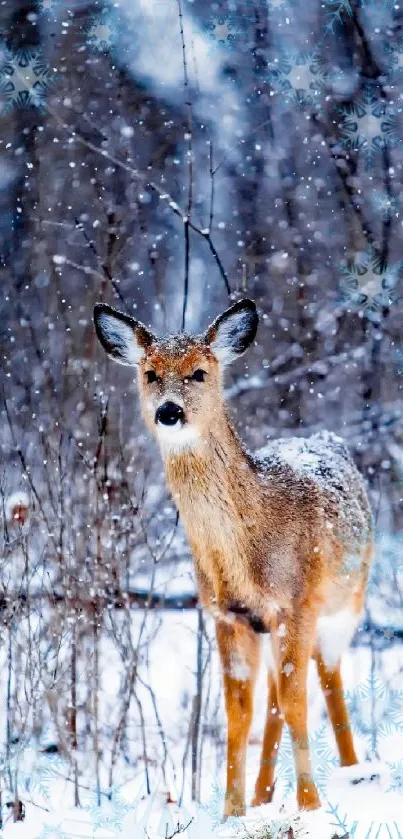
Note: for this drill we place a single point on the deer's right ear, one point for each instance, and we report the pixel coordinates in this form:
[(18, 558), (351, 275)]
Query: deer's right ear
[(123, 338)]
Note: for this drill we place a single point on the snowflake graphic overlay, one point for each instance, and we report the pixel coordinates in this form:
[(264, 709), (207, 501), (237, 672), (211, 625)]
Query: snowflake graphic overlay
[(215, 804), (376, 710), (110, 813), (101, 32), (107, 32), (335, 13), (53, 831), (385, 205), (369, 285), (387, 568), (369, 125), (275, 5), (25, 79), (323, 757), (378, 12), (299, 78), (40, 781), (396, 776), (47, 6), (394, 59), (223, 30)]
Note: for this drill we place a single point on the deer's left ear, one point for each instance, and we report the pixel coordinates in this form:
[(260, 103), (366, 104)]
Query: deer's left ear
[(123, 338), (231, 333)]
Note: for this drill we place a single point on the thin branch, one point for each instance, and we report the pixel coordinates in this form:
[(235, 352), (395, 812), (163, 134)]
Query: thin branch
[(212, 186), (221, 269), (187, 218), (104, 265), (27, 472), (145, 181)]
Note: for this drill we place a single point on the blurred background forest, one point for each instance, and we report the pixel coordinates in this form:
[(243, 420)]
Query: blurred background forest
[(168, 157)]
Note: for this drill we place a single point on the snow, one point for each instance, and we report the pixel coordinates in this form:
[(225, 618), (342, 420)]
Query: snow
[(170, 668), (356, 802)]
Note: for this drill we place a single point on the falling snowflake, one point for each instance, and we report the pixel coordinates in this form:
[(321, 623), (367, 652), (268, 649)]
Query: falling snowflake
[(223, 30), (369, 285), (300, 78), (369, 125), (25, 79)]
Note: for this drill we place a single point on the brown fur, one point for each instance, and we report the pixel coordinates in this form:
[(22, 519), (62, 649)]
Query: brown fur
[(271, 541)]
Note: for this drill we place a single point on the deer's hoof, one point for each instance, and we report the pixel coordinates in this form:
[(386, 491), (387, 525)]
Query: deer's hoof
[(263, 795), (308, 798), (233, 808)]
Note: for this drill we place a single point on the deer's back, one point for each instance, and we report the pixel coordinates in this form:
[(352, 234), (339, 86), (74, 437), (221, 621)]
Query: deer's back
[(333, 488)]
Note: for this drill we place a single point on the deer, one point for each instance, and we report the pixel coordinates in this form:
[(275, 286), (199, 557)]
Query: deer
[(282, 540)]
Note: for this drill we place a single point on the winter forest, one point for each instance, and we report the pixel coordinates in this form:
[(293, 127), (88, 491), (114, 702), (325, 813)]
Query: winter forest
[(170, 157)]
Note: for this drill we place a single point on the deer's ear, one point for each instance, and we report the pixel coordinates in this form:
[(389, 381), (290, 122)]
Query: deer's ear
[(231, 333), (123, 338)]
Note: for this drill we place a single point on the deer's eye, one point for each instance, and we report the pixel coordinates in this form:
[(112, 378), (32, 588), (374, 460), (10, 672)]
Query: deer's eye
[(151, 376), (199, 375)]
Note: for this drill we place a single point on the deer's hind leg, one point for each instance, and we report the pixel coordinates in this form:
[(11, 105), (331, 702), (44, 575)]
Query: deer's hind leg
[(271, 741), (332, 686), (239, 649)]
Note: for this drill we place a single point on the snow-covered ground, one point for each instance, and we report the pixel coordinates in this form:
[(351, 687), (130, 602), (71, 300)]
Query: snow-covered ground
[(371, 809)]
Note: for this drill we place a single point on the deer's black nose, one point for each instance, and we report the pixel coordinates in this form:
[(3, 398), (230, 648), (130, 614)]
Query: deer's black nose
[(169, 414)]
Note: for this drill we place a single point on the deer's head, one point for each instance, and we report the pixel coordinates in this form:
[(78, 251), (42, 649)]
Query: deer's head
[(179, 376)]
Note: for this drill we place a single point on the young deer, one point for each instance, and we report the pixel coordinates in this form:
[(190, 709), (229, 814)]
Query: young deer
[(282, 541)]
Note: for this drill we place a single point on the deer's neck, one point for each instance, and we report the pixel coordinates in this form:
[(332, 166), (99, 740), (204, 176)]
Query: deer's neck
[(217, 492), (217, 462)]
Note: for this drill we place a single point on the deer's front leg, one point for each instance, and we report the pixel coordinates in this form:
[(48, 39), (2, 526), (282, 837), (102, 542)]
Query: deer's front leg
[(292, 653), (239, 650)]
